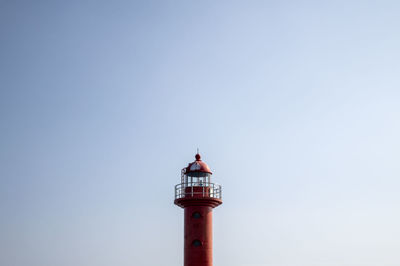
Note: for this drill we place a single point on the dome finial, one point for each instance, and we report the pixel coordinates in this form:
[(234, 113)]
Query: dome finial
[(198, 157)]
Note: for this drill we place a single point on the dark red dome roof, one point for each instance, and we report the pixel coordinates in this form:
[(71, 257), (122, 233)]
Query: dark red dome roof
[(198, 166)]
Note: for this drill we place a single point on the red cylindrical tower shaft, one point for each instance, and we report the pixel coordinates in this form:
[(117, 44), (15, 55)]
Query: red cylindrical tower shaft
[(198, 196), (198, 229)]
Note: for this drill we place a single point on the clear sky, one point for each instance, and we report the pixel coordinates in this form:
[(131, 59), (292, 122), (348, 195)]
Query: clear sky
[(295, 105)]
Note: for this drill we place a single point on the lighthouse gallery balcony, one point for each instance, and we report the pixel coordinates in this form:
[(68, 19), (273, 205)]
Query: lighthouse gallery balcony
[(198, 189)]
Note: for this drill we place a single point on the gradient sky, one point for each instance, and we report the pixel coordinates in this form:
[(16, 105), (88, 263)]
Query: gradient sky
[(295, 105)]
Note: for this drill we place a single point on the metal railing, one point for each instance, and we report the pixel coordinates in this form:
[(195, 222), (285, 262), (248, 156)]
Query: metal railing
[(198, 190)]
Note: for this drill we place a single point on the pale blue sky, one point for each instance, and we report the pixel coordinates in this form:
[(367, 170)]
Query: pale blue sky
[(295, 105)]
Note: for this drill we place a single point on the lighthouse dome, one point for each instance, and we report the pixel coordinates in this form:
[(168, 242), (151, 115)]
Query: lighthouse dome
[(198, 167)]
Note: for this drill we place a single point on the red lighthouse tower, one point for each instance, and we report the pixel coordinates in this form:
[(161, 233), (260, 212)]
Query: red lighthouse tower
[(197, 196)]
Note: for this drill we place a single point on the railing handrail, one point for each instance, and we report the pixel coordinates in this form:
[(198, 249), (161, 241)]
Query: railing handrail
[(198, 184), (214, 190)]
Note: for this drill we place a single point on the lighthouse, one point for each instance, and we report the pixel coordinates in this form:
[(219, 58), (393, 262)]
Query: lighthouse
[(197, 195)]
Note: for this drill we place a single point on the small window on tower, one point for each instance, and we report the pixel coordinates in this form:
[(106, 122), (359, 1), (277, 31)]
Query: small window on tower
[(196, 215), (197, 243)]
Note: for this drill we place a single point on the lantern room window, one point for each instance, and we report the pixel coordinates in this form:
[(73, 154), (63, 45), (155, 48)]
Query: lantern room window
[(197, 179)]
